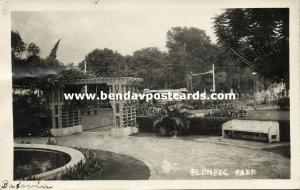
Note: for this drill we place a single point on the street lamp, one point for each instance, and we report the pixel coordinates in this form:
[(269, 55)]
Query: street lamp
[(254, 89)]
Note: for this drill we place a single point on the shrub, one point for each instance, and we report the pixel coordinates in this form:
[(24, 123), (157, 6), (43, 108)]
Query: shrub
[(207, 125), (83, 170), (210, 126), (228, 111), (30, 117), (205, 104), (171, 120), (145, 109), (51, 141), (284, 129), (284, 103), (197, 126), (145, 123)]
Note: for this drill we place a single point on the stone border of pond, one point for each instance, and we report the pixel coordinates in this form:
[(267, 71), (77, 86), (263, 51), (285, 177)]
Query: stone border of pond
[(76, 157)]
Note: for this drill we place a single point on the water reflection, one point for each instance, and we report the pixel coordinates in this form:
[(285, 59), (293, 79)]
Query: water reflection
[(31, 162)]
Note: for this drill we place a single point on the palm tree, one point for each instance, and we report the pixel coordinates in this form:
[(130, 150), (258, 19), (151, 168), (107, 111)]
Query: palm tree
[(172, 120)]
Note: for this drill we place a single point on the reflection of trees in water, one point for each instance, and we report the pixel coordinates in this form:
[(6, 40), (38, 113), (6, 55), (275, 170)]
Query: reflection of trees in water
[(28, 163)]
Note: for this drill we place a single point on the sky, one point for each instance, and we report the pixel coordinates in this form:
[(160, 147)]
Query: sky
[(123, 29)]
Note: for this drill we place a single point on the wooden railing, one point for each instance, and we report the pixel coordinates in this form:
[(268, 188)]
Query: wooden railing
[(70, 116), (129, 116)]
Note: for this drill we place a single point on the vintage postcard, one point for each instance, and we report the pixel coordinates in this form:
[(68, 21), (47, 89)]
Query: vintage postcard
[(163, 94)]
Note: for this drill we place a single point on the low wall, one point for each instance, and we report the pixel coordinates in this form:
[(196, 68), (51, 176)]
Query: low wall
[(209, 126), (76, 157), (66, 131)]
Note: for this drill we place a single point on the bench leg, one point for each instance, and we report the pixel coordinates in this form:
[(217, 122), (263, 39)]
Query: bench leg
[(269, 138), (223, 133)]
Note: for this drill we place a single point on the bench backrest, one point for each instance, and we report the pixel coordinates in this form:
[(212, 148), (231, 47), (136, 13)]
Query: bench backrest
[(254, 126)]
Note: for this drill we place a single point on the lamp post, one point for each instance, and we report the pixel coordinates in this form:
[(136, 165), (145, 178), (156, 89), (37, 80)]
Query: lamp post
[(213, 74), (254, 89), (85, 87)]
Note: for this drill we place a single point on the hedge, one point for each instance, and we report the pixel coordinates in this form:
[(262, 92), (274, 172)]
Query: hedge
[(284, 130), (145, 124), (209, 126), (199, 126)]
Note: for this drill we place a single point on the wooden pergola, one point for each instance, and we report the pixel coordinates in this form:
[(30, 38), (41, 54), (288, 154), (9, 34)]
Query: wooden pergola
[(66, 119)]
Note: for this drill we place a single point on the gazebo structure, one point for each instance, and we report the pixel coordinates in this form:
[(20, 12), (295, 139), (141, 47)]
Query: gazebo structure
[(66, 116)]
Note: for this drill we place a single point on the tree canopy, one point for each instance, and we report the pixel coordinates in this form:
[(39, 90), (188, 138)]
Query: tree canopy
[(102, 62), (31, 71), (151, 64), (259, 38), (188, 49)]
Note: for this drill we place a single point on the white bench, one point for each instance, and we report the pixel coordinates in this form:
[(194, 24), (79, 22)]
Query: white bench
[(252, 129)]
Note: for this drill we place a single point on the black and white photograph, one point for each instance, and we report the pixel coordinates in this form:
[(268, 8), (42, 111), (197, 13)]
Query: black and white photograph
[(150, 92)]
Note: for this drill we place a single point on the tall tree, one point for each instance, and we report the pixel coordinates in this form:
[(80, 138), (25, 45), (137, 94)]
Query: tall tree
[(150, 64), (33, 50), (18, 46), (103, 62), (190, 50), (52, 54), (257, 37)]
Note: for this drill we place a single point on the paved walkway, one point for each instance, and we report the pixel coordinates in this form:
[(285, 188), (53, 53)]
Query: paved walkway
[(241, 142), (174, 158)]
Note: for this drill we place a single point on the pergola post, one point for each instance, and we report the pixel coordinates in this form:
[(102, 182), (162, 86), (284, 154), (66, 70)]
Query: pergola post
[(56, 103), (66, 119), (124, 112)]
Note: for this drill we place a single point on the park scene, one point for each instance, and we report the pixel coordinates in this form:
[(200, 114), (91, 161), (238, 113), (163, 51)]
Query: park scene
[(240, 51)]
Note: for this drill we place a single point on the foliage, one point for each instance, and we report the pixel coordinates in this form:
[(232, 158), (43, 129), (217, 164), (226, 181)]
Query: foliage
[(151, 65), (171, 120), (146, 109), (30, 116), (18, 46), (198, 125), (189, 50), (83, 170), (207, 104), (51, 141), (207, 125), (102, 62), (33, 50), (284, 103), (259, 38), (228, 111), (52, 55), (31, 72)]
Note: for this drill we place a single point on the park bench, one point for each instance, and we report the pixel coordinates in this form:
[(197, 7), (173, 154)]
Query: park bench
[(252, 129)]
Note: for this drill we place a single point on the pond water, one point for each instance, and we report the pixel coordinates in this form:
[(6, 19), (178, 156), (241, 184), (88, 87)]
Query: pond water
[(29, 162)]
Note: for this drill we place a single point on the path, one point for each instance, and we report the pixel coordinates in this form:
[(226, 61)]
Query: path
[(173, 158)]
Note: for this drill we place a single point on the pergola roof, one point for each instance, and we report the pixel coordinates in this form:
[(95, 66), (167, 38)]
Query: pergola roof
[(22, 71), (106, 80)]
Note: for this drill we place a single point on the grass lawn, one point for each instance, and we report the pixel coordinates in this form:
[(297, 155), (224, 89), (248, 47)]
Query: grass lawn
[(119, 167), (282, 150)]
